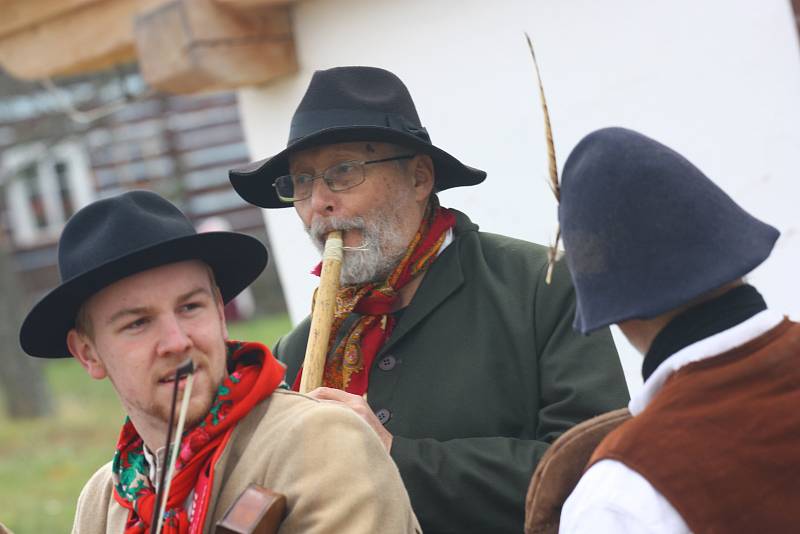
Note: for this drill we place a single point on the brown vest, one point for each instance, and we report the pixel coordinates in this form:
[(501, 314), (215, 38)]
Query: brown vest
[(721, 440)]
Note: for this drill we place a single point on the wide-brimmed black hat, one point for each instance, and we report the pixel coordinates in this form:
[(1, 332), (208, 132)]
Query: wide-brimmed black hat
[(348, 104), (645, 231), (117, 237)]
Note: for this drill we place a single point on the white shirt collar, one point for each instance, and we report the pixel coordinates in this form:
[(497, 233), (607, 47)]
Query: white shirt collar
[(448, 238), (705, 348), (155, 462)]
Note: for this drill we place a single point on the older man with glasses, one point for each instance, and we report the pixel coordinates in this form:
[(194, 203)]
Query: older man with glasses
[(467, 355)]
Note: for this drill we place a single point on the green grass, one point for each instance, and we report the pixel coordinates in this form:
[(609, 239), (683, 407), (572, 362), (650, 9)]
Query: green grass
[(266, 330), (44, 463)]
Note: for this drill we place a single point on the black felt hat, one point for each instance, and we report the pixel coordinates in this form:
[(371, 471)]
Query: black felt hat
[(645, 231), (348, 104), (117, 237)]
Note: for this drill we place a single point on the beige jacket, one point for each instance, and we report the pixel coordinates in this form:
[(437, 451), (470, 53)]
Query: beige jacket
[(331, 466)]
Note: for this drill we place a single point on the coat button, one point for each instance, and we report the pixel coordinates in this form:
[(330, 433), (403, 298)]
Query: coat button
[(387, 363), (383, 415)]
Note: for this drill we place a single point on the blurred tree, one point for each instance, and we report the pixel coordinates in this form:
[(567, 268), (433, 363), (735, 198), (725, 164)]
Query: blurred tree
[(21, 378)]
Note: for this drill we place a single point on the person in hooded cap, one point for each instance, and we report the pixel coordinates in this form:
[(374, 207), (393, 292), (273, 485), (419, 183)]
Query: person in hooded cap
[(657, 248), (141, 293), (467, 355)]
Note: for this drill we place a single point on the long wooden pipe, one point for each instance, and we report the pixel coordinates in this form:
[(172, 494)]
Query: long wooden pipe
[(322, 316)]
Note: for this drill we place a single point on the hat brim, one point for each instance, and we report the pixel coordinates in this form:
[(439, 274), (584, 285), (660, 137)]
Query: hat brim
[(236, 259), (651, 306), (254, 181)]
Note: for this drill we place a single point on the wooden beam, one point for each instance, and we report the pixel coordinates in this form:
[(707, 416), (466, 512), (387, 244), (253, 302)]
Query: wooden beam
[(796, 9), (95, 36), (21, 14), (188, 46), (246, 4)]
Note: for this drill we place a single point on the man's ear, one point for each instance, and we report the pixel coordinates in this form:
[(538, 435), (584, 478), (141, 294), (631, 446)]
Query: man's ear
[(83, 350), (424, 175)]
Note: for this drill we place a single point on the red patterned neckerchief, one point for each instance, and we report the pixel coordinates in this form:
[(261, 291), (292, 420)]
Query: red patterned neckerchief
[(349, 365), (256, 374)]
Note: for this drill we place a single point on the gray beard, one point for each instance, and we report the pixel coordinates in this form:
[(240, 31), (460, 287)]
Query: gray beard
[(379, 253)]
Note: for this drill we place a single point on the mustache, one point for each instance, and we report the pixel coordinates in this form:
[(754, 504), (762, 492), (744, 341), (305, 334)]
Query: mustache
[(320, 228)]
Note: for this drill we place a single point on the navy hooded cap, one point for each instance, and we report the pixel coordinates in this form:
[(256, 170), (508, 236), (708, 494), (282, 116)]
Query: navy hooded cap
[(646, 231)]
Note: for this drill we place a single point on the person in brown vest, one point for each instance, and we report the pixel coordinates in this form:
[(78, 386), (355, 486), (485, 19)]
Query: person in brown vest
[(714, 443)]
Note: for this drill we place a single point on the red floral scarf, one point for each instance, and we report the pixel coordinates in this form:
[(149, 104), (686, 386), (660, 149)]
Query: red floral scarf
[(256, 374), (349, 365)]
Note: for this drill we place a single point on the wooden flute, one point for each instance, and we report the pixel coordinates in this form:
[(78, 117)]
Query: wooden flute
[(322, 315)]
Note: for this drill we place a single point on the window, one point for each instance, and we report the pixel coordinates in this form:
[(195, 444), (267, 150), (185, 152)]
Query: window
[(61, 169), (44, 187), (29, 179)]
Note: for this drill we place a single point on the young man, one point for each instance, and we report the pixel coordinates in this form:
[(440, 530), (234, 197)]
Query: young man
[(655, 247), (467, 355), (142, 292)]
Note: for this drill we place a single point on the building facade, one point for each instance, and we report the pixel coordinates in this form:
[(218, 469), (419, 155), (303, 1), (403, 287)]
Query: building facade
[(64, 145)]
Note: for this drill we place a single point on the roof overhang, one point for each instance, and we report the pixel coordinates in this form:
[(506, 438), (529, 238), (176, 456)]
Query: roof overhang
[(182, 46)]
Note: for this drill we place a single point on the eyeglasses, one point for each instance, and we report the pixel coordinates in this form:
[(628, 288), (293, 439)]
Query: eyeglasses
[(341, 177)]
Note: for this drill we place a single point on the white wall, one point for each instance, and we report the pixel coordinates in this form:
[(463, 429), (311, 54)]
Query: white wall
[(717, 80)]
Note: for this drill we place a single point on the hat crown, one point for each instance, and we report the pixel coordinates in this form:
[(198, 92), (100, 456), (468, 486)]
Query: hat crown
[(115, 227), (646, 231), (355, 96)]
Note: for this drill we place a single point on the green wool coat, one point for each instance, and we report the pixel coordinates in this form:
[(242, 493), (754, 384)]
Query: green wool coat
[(482, 372)]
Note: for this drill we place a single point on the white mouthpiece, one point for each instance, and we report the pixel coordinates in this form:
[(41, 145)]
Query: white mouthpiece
[(333, 249)]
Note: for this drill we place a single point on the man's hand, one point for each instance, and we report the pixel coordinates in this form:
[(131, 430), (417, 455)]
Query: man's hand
[(358, 405)]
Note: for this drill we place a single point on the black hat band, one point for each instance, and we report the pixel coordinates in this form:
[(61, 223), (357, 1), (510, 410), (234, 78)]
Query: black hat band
[(310, 122)]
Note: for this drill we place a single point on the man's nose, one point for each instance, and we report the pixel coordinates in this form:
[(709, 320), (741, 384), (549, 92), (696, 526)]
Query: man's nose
[(323, 200), (173, 339)]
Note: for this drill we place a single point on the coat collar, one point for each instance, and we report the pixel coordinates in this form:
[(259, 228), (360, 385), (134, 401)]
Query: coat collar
[(443, 278)]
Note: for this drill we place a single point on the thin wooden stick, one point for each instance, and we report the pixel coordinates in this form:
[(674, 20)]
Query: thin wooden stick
[(187, 368)]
